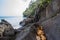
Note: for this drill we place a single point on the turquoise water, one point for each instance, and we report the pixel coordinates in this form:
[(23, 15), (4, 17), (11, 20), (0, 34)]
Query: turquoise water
[(14, 21)]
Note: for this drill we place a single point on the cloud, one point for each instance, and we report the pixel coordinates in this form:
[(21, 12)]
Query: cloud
[(13, 7)]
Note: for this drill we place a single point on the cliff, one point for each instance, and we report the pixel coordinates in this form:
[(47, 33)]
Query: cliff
[(47, 17)]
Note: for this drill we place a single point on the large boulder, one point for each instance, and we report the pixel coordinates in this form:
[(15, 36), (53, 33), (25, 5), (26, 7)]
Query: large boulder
[(7, 27), (28, 33)]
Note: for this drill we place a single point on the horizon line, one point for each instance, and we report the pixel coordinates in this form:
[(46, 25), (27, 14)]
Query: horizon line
[(10, 16)]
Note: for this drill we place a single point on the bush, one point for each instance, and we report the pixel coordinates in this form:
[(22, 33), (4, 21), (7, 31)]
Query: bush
[(33, 6)]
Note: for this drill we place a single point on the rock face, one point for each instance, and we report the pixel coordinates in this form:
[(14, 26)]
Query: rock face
[(52, 28), (53, 8), (52, 25)]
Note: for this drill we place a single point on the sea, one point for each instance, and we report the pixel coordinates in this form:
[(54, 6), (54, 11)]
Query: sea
[(13, 20)]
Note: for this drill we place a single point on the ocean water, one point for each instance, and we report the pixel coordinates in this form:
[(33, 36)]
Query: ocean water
[(14, 21)]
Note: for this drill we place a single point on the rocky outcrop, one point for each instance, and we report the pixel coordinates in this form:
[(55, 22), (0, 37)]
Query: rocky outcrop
[(48, 18), (6, 30)]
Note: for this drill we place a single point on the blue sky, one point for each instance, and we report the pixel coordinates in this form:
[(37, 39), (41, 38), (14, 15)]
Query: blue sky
[(13, 7)]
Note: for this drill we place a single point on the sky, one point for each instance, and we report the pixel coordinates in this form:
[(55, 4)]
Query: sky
[(13, 7)]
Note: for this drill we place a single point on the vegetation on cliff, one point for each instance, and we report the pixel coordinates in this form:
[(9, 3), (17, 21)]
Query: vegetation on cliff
[(33, 5)]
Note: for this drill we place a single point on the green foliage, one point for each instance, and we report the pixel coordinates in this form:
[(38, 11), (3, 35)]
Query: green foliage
[(30, 10), (33, 6)]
